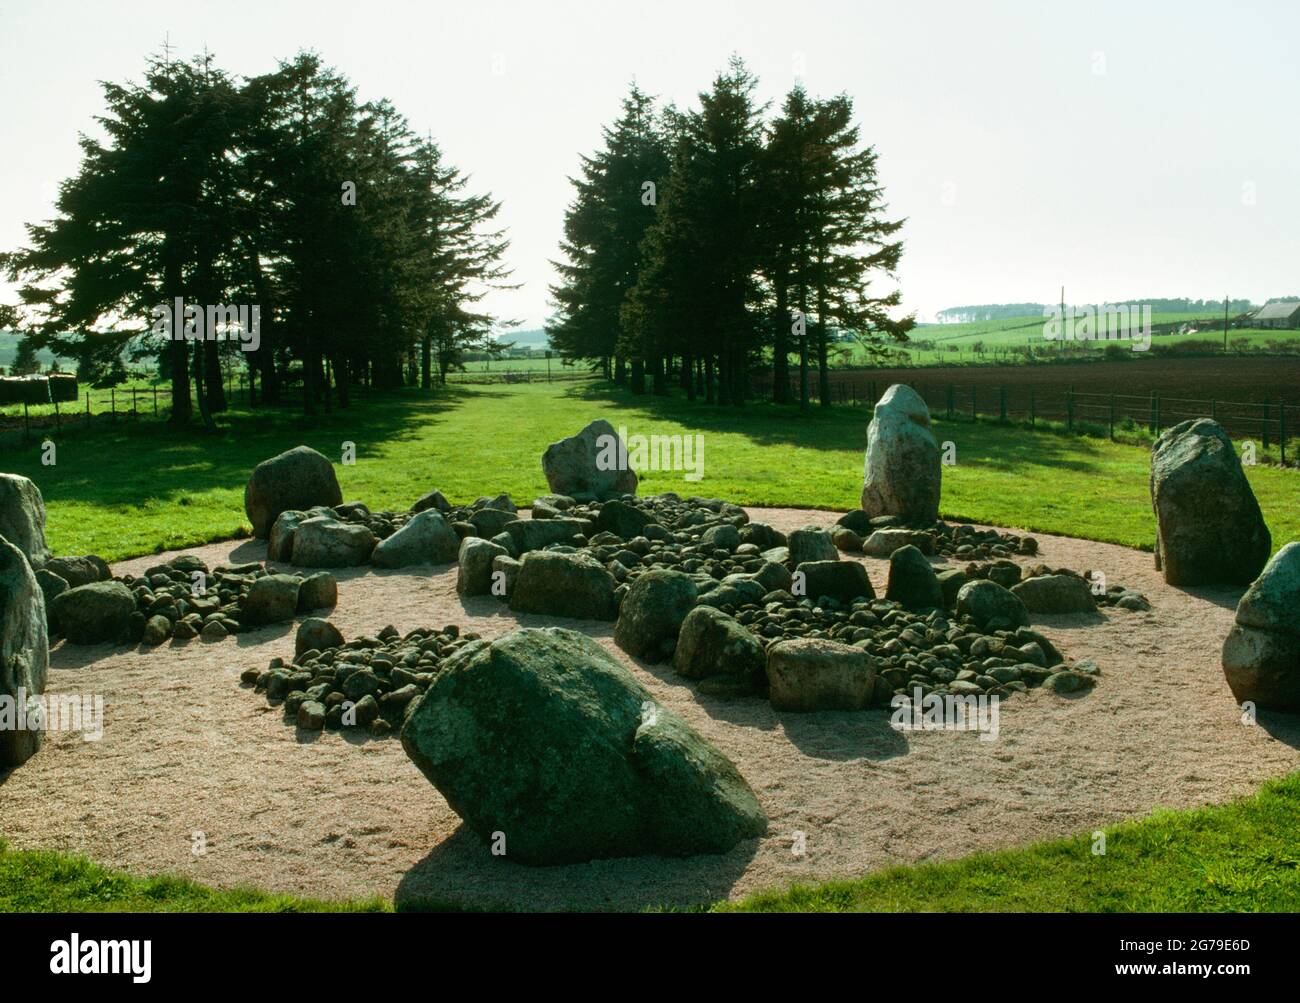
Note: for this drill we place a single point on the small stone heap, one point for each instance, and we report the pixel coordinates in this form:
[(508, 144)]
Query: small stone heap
[(365, 683), (182, 599)]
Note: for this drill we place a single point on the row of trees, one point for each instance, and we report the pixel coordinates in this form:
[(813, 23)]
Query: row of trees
[(359, 244), (706, 245)]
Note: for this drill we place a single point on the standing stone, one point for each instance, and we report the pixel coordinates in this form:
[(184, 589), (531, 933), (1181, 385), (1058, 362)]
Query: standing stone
[(590, 465), (652, 613), (543, 737), (22, 518), (1209, 530), (299, 478), (903, 470), (1261, 656), (24, 655)]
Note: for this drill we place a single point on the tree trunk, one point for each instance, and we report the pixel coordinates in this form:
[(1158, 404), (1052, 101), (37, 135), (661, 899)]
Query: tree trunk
[(426, 362), (620, 370), (638, 375), (781, 348)]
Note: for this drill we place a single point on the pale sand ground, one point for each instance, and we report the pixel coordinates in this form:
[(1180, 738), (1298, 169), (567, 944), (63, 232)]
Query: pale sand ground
[(187, 749)]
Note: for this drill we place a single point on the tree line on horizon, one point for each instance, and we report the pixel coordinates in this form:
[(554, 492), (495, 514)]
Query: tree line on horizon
[(357, 240), (709, 245)]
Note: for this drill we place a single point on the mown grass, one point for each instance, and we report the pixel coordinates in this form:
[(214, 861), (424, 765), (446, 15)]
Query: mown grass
[(141, 487), (48, 881), (1239, 857)]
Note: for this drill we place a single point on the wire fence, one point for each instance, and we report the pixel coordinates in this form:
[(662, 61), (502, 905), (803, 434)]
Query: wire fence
[(1273, 423)]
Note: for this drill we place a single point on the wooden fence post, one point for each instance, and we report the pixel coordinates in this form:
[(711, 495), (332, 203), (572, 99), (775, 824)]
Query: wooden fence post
[(1281, 429), (1157, 414), (950, 401), (1069, 410), (1112, 417), (1002, 403), (1264, 423), (1033, 411)]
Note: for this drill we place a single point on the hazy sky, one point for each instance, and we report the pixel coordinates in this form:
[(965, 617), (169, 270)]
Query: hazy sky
[(1121, 149)]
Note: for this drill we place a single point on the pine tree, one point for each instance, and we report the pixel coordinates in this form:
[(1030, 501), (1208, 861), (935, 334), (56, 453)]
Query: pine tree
[(604, 227)]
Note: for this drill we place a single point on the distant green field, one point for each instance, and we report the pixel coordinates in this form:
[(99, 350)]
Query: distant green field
[(956, 343)]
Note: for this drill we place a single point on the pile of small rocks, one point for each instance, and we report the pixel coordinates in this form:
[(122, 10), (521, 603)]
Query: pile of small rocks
[(366, 683), (183, 599), (1009, 575)]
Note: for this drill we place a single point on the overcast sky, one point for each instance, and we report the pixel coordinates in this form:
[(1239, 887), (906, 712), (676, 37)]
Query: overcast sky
[(1121, 149)]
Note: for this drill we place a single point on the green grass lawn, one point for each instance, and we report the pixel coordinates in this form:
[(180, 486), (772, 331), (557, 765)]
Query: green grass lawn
[(141, 487), (1239, 857)]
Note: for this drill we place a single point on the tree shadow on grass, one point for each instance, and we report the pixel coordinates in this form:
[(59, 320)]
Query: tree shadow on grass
[(158, 463), (461, 874)]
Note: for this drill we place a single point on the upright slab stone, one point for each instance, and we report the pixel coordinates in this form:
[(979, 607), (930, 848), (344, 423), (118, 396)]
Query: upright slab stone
[(903, 470), (1261, 656), (299, 478), (22, 518), (591, 464), (1209, 529), (24, 656)]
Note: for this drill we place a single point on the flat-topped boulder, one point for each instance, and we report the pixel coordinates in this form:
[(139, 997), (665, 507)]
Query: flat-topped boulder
[(1209, 529), (95, 613), (299, 478), (572, 585), (590, 465), (325, 542), (903, 473), (811, 674), (541, 739)]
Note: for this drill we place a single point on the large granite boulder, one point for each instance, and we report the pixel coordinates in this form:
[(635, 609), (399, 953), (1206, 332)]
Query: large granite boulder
[(427, 539), (590, 465), (95, 613), (809, 674), (1261, 656), (299, 478), (24, 655), (1209, 530), (22, 518), (903, 469), (559, 584), (652, 613), (991, 606), (1055, 594), (543, 740), (714, 647), (326, 542)]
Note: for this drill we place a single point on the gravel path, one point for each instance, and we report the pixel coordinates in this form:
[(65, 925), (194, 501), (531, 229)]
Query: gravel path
[(187, 750)]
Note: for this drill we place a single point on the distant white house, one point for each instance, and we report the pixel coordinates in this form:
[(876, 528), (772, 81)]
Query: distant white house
[(1284, 313)]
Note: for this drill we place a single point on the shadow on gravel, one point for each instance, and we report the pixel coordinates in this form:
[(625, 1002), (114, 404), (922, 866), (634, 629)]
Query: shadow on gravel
[(461, 874)]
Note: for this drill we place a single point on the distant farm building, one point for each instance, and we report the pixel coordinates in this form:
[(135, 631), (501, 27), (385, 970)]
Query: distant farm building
[(1282, 314)]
